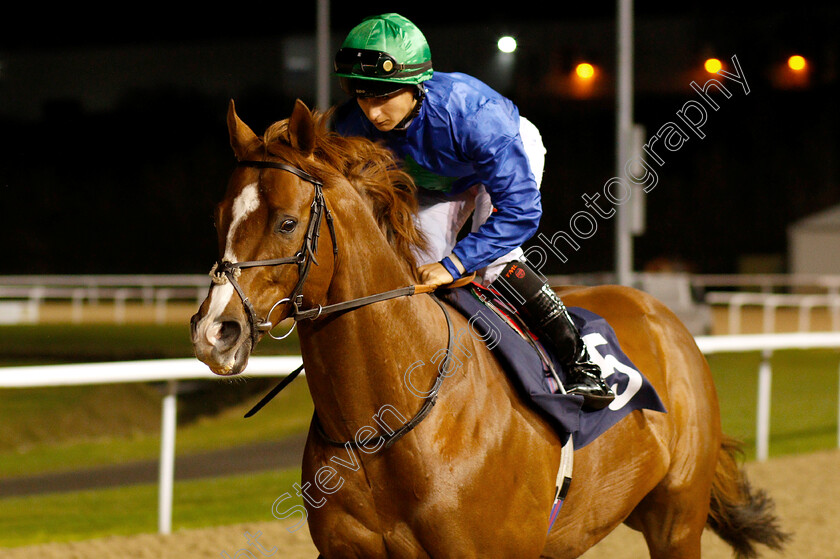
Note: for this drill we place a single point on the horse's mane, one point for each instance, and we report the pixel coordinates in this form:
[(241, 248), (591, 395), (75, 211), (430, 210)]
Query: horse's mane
[(372, 170)]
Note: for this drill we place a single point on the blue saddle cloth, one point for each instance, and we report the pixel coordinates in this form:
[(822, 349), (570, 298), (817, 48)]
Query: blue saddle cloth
[(525, 363)]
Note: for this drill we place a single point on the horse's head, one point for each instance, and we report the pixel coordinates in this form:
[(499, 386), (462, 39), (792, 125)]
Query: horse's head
[(273, 253)]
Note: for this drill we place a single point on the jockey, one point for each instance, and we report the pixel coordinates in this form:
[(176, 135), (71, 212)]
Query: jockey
[(470, 153)]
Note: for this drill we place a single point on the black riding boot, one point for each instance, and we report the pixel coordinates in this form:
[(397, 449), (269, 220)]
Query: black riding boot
[(544, 313)]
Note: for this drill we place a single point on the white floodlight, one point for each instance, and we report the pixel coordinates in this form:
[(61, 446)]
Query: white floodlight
[(507, 44)]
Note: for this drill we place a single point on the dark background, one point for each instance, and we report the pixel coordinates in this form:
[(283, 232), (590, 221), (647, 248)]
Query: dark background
[(114, 147)]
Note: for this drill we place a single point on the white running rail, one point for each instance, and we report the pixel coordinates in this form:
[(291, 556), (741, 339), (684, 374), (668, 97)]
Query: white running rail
[(21, 297), (162, 370), (173, 370)]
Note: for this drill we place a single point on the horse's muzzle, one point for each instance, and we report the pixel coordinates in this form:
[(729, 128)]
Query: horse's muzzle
[(223, 345)]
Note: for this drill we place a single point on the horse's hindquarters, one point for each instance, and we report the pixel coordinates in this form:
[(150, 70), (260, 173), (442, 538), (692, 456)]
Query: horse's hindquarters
[(653, 469)]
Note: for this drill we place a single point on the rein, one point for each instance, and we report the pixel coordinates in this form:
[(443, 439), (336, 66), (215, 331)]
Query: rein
[(224, 271), (390, 436)]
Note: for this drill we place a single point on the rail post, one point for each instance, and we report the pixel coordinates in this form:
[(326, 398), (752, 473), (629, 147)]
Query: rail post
[(167, 457), (765, 381)]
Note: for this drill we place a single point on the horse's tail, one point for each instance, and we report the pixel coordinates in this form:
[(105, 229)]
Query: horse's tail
[(741, 516)]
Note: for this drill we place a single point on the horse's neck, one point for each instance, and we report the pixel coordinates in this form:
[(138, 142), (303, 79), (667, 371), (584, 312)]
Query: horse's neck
[(356, 361)]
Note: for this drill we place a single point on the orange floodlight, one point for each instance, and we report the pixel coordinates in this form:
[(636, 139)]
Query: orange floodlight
[(585, 70), (712, 65), (797, 63)]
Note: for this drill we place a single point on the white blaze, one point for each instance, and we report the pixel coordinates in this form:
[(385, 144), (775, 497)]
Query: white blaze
[(244, 205)]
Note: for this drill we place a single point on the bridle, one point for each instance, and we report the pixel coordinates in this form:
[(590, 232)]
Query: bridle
[(224, 271)]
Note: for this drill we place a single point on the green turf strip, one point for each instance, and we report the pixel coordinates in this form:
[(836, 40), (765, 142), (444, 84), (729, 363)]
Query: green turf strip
[(288, 413), (61, 428), (85, 515), (804, 403)]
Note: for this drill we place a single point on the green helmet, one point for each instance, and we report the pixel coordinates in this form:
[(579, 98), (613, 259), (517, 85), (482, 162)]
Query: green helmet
[(381, 55)]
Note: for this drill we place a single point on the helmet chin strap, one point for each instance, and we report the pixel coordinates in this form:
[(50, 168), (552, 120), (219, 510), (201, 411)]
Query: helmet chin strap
[(419, 96)]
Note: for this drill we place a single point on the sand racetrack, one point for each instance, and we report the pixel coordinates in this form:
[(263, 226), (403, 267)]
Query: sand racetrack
[(804, 488)]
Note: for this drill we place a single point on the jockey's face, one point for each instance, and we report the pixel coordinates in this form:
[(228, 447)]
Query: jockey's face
[(386, 112)]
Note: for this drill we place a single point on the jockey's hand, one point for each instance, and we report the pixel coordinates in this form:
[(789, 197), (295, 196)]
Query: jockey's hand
[(434, 274)]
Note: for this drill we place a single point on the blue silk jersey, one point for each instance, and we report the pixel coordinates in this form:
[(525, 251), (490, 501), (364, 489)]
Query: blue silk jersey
[(465, 134)]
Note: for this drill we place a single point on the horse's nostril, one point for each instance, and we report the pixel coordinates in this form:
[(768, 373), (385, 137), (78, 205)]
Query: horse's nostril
[(229, 333)]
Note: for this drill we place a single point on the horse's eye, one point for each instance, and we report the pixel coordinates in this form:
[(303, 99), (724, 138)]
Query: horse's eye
[(286, 226)]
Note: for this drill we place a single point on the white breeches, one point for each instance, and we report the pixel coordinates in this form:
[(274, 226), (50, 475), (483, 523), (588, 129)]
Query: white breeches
[(440, 217)]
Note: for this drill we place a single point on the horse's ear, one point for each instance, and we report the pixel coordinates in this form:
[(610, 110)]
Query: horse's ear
[(242, 139), (302, 128)]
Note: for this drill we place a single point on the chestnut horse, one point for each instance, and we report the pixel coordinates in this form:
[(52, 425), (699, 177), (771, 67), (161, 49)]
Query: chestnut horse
[(313, 223)]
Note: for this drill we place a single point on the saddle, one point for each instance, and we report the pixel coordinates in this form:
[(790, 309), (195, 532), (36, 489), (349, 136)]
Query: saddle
[(538, 375)]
